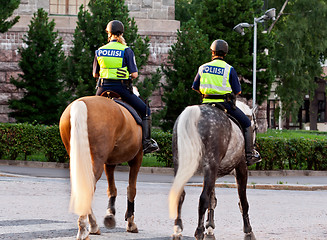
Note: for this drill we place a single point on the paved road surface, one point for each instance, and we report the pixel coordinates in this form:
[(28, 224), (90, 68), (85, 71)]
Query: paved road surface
[(37, 208)]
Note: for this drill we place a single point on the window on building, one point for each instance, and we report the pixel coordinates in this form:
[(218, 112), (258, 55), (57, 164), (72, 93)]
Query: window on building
[(304, 116), (321, 111), (66, 7), (273, 111)]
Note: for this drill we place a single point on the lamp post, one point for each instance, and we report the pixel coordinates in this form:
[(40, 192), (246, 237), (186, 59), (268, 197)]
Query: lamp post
[(239, 28)]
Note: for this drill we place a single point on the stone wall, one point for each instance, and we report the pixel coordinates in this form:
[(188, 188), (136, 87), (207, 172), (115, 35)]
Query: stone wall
[(152, 9), (155, 19)]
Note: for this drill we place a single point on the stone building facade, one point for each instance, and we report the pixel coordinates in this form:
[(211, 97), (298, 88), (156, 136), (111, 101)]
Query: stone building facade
[(154, 18)]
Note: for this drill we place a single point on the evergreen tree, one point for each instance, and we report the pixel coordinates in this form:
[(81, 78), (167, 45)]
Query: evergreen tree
[(90, 34), (41, 62), (300, 49), (6, 10), (184, 10), (217, 19), (185, 57), (149, 84)]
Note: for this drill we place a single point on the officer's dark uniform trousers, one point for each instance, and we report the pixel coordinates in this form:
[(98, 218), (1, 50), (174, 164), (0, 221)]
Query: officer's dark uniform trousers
[(237, 114), (126, 96)]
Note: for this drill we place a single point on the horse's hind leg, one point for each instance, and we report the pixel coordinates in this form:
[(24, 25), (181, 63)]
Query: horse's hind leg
[(208, 186), (241, 179), (83, 233), (134, 165), (210, 224), (94, 228), (178, 227), (109, 219)]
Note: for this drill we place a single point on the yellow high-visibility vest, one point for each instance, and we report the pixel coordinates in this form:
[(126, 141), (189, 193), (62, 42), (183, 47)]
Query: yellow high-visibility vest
[(214, 79), (110, 58)]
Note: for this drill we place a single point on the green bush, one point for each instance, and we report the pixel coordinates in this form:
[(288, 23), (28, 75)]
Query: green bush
[(53, 147), (163, 139), (293, 153), (26, 139)]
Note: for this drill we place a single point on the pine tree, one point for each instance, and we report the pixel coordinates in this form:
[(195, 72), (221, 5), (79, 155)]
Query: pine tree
[(41, 62), (90, 35), (185, 57), (6, 10)]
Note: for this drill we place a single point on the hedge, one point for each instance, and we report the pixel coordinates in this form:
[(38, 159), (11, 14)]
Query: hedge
[(277, 152), (27, 139), (293, 153)]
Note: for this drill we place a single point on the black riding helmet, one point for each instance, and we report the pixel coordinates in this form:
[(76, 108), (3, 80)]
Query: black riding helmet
[(220, 47), (115, 27)]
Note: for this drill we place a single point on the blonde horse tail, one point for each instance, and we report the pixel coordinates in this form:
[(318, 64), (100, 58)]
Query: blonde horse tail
[(189, 145), (81, 169)]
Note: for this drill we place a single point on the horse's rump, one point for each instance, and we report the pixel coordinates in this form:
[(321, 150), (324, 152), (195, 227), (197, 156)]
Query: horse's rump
[(109, 125)]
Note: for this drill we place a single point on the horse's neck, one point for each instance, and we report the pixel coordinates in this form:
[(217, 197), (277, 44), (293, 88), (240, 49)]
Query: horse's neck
[(244, 108)]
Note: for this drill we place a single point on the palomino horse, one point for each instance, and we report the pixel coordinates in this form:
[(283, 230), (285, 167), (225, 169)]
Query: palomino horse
[(203, 135), (99, 134)]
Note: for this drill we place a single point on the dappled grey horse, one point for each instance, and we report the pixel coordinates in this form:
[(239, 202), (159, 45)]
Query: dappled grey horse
[(204, 136)]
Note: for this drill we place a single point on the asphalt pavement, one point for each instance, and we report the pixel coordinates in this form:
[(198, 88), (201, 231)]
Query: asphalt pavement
[(35, 201)]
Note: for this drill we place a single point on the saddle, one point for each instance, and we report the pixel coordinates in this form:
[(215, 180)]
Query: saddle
[(117, 98), (224, 110)]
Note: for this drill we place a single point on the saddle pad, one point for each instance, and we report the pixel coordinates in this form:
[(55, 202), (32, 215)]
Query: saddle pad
[(223, 109), (131, 110)]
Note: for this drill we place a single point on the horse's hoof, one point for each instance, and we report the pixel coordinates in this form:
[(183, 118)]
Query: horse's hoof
[(133, 230), (177, 237), (131, 226), (199, 233), (209, 237), (94, 230), (249, 236), (96, 233), (87, 238), (109, 221), (83, 235)]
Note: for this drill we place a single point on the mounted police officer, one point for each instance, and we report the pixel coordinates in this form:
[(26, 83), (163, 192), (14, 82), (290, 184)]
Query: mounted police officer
[(217, 81), (115, 67)]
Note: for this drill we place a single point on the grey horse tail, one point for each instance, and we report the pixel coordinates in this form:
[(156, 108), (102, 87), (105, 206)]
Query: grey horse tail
[(189, 145)]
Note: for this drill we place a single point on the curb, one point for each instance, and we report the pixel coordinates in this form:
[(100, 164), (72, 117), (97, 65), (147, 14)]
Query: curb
[(269, 186), (34, 164), (168, 171)]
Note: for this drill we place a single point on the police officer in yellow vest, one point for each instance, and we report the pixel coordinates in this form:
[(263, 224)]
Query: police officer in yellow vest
[(217, 81), (114, 64)]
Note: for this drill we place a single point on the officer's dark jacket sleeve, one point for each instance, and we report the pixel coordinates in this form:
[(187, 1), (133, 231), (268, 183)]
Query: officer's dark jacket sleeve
[(234, 81), (96, 66), (196, 82), (129, 60)]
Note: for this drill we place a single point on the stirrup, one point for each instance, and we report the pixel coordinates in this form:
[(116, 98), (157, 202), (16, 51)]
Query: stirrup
[(252, 158), (150, 146)]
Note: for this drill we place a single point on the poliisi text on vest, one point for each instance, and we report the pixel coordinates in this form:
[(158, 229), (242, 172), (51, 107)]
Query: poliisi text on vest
[(214, 70), (109, 53)]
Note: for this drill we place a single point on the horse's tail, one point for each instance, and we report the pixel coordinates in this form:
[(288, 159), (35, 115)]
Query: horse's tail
[(189, 145), (81, 169)]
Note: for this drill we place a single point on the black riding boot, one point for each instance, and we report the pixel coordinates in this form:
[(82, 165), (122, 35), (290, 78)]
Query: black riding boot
[(149, 144), (252, 156)]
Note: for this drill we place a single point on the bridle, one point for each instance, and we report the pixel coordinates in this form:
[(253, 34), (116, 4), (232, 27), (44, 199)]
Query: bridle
[(255, 128)]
